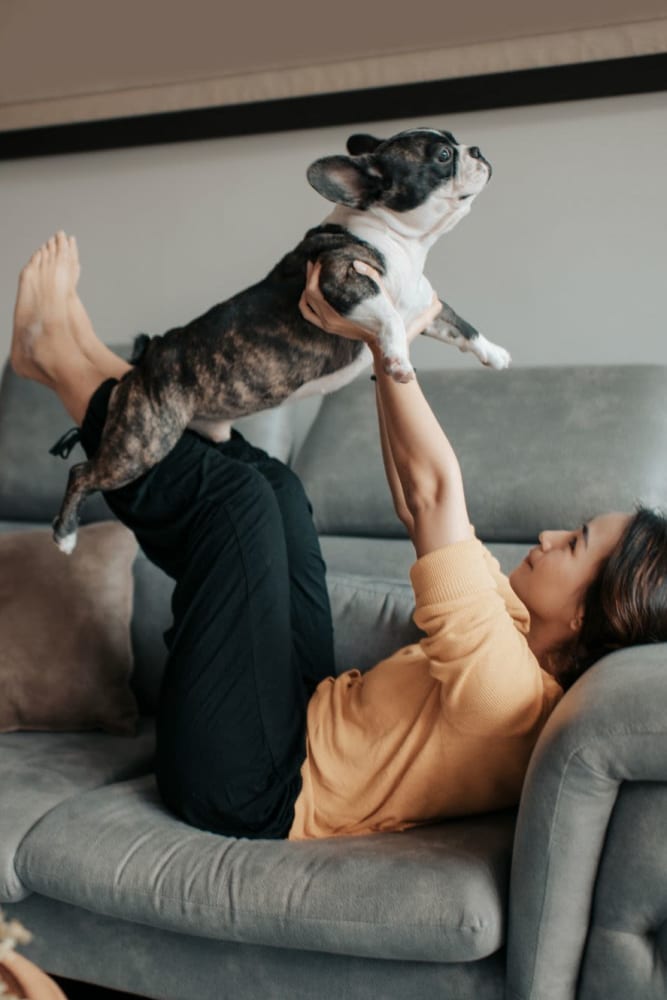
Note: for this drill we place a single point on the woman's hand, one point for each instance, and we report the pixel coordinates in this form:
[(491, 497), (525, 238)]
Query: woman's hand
[(315, 308)]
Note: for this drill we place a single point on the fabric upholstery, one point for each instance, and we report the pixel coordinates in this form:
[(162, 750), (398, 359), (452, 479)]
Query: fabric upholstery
[(168, 965), (65, 653), (610, 728), (391, 558), (626, 949), (32, 484), (40, 770), (433, 894), (611, 423)]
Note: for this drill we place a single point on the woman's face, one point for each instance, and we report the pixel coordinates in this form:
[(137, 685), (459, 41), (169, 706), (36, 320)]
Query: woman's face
[(553, 578)]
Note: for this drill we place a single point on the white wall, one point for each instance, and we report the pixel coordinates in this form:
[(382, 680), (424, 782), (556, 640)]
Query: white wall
[(562, 259)]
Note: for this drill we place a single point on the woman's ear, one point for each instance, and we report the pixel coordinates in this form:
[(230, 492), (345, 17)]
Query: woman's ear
[(578, 620)]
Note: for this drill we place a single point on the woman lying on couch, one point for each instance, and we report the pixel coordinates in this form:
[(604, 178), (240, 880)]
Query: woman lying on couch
[(255, 735)]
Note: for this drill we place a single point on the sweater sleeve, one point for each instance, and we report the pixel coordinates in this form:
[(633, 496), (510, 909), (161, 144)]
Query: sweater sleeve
[(476, 647)]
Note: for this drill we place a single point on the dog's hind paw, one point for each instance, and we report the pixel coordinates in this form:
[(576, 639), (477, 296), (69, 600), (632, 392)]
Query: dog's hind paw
[(66, 543)]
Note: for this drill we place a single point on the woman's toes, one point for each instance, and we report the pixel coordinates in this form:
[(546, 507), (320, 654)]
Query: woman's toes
[(74, 258)]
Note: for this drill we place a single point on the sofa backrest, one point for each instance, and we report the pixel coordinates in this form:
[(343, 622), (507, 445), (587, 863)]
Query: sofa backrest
[(538, 447)]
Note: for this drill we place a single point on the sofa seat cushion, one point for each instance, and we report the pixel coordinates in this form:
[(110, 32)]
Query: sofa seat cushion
[(38, 771), (435, 894)]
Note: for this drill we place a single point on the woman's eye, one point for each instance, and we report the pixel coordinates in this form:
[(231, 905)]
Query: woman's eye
[(444, 154), (573, 542)]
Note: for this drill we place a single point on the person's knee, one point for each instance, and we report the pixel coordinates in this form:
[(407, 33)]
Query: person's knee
[(289, 487)]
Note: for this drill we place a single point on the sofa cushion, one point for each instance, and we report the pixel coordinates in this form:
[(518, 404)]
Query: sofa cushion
[(435, 894), (138, 959), (581, 441), (40, 770), (65, 654)]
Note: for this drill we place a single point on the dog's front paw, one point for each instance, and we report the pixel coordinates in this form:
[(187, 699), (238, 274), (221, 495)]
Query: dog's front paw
[(498, 358), (491, 355), (400, 369)]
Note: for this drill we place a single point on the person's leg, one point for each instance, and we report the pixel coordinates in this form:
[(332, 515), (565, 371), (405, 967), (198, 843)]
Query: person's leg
[(231, 723), (232, 711), (312, 627)]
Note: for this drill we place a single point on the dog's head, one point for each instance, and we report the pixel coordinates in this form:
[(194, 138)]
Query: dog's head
[(419, 168)]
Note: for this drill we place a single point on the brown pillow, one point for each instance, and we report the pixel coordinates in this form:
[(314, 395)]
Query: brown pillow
[(65, 653)]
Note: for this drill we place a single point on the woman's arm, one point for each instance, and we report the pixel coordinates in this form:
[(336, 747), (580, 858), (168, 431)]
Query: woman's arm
[(426, 465), (419, 457), (393, 479)]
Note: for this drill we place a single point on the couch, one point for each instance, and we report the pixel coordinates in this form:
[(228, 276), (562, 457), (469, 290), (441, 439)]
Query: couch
[(564, 897)]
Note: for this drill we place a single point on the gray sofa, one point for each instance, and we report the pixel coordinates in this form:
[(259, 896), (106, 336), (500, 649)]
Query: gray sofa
[(564, 898)]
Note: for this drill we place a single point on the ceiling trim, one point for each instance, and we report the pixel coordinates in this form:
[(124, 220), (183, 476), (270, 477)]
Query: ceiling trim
[(540, 85)]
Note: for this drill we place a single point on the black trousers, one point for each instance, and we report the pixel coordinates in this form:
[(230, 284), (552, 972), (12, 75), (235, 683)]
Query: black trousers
[(252, 633)]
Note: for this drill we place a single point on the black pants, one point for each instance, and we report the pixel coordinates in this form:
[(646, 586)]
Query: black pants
[(252, 633)]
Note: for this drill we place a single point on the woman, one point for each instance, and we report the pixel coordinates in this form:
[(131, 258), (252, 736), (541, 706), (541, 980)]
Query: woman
[(255, 737)]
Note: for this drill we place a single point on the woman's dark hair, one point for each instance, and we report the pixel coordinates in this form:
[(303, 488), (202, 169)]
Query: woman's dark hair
[(626, 605)]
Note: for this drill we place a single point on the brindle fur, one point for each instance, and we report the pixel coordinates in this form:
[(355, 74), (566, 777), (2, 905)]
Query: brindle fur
[(238, 358)]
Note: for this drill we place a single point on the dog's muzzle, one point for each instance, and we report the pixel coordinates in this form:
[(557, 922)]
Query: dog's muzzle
[(476, 154)]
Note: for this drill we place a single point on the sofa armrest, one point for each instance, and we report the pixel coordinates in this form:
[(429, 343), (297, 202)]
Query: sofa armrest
[(610, 728)]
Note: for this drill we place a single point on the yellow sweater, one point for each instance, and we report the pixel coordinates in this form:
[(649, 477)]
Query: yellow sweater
[(444, 727)]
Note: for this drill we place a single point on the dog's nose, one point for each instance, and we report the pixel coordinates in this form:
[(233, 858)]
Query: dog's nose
[(476, 152)]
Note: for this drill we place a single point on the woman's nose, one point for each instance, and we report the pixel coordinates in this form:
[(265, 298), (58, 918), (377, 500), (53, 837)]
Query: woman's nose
[(545, 540)]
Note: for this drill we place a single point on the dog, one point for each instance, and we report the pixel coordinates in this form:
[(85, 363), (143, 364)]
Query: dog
[(393, 199)]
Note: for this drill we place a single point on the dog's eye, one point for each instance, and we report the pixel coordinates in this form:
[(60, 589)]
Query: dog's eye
[(445, 154)]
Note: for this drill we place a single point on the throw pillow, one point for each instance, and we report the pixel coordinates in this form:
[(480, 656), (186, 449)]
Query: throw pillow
[(65, 652)]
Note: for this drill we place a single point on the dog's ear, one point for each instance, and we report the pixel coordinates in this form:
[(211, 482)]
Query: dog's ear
[(361, 142), (355, 182)]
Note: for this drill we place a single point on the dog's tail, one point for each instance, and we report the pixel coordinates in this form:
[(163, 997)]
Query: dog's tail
[(141, 342)]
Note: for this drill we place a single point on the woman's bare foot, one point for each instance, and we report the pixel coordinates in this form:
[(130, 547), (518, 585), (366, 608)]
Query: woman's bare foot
[(41, 329), (43, 345)]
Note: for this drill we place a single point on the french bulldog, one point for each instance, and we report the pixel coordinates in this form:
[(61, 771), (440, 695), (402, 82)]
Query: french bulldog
[(393, 199)]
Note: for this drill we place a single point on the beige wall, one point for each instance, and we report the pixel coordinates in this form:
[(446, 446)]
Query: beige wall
[(562, 259)]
